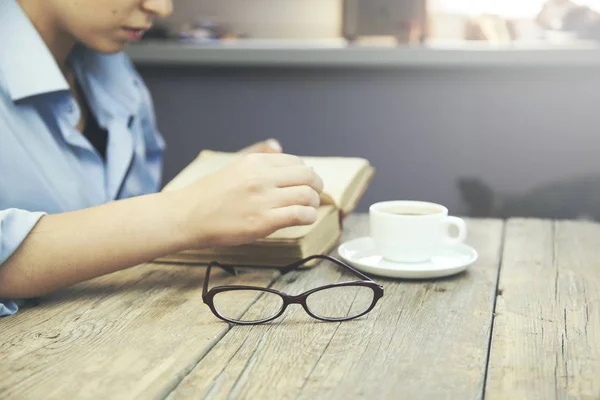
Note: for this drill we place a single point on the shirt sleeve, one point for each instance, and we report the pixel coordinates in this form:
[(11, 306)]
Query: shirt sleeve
[(15, 225)]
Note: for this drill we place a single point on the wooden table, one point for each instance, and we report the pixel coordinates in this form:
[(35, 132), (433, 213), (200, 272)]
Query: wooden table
[(523, 322)]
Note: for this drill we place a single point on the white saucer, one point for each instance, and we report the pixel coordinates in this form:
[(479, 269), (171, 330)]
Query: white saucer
[(450, 260)]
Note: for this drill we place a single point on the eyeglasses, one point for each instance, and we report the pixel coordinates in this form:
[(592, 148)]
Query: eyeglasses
[(341, 301)]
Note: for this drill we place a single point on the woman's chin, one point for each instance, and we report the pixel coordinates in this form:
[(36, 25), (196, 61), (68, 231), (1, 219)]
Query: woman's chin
[(107, 46)]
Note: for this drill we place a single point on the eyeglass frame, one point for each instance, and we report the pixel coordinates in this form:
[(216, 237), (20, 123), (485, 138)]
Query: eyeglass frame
[(208, 295)]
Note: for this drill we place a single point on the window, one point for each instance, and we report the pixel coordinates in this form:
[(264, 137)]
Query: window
[(503, 8)]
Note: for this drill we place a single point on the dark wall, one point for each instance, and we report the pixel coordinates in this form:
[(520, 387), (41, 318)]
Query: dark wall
[(421, 129)]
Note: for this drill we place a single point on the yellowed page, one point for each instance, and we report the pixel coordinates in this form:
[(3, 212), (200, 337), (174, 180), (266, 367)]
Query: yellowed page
[(337, 172)]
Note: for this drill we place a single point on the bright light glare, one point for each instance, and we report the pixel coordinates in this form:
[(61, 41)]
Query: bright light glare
[(503, 8)]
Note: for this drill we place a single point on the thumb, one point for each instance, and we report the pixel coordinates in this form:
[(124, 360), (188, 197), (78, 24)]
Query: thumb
[(273, 145), (267, 146)]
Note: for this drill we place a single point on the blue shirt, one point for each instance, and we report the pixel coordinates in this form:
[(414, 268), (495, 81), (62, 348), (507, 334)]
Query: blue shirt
[(46, 164)]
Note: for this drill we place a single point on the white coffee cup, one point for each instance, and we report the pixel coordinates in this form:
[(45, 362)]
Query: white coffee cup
[(412, 231)]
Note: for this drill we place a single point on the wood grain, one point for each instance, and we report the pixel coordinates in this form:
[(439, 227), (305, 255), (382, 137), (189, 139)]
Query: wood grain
[(546, 339), (425, 339), (132, 334)]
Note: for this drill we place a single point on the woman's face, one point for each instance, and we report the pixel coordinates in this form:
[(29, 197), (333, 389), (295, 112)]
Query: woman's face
[(108, 25)]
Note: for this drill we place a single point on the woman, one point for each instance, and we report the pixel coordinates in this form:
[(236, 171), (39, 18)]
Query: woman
[(77, 132)]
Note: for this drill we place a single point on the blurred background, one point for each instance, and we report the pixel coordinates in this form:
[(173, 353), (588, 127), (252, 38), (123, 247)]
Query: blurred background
[(405, 20), (487, 106)]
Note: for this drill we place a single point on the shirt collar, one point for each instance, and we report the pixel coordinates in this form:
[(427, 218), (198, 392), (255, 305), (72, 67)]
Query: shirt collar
[(109, 83), (28, 67)]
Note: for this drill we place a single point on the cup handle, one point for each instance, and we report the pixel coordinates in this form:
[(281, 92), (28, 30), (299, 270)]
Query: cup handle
[(462, 230)]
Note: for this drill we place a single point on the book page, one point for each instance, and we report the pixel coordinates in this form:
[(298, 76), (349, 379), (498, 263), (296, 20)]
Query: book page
[(337, 172)]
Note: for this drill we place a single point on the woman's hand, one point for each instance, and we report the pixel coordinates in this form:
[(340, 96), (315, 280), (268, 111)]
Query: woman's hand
[(249, 199)]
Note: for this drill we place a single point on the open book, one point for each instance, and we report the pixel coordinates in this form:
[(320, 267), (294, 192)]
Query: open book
[(345, 181)]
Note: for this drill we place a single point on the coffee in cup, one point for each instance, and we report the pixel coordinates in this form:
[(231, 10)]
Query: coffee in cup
[(412, 231)]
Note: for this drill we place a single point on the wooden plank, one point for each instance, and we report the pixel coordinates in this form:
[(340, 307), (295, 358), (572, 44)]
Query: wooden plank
[(546, 339), (425, 339), (132, 334)]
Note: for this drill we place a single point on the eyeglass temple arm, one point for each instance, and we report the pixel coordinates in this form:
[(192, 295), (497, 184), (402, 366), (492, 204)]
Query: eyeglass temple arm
[(226, 268), (298, 263)]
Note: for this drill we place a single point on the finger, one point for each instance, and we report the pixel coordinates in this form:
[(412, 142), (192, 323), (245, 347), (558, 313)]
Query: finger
[(255, 148), (285, 217), (296, 196), (268, 146), (269, 149), (298, 175), (274, 145)]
